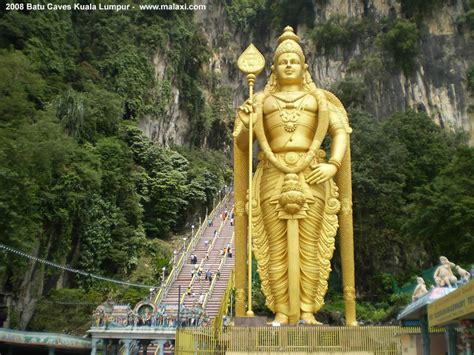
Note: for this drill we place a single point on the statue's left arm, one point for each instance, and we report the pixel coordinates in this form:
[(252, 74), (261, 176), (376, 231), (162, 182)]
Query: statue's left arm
[(337, 130)]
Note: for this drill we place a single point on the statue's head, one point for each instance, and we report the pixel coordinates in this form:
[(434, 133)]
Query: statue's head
[(420, 280), (443, 260), (289, 65), (288, 42), (289, 62)]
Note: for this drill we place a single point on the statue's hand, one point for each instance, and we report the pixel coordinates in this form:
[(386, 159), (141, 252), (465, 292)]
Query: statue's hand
[(246, 111), (321, 173)]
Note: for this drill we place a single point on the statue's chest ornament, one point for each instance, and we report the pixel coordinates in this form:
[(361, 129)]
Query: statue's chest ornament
[(289, 112)]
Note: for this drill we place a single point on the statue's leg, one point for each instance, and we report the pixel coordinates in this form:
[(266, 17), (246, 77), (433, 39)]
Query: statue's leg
[(278, 268), (311, 261)]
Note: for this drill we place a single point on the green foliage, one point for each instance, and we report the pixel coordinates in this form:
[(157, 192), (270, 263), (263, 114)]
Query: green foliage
[(370, 65), (244, 13), (79, 187), (470, 20), (351, 91), (66, 311), (420, 8), (392, 160), (258, 298), (369, 313), (218, 114), (291, 12), (444, 208), (339, 31), (208, 172), (70, 111), (332, 33), (400, 43), (257, 17), (154, 255), (130, 75), (470, 78), (21, 88), (466, 18)]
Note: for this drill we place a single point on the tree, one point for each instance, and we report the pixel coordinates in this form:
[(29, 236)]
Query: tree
[(443, 210)]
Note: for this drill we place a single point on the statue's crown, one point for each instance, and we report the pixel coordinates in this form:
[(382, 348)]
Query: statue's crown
[(288, 42)]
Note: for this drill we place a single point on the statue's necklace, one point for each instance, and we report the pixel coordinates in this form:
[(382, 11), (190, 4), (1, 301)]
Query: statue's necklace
[(290, 113)]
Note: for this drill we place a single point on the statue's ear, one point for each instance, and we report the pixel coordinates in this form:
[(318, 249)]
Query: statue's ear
[(272, 68), (305, 66)]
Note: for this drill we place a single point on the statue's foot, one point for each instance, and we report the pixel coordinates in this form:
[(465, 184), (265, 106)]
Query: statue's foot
[(308, 318), (281, 318)]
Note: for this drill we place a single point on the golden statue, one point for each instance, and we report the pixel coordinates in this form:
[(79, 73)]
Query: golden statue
[(295, 201)]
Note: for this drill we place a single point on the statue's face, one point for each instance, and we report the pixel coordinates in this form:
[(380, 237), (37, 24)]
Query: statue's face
[(289, 69)]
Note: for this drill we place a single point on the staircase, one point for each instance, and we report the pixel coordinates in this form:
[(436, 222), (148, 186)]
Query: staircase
[(214, 299), (208, 250)]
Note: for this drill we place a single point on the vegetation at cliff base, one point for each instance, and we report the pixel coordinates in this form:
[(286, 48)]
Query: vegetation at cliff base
[(79, 182)]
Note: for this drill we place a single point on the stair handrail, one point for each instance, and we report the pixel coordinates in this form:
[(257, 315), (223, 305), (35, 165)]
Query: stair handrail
[(209, 248), (214, 279), (225, 302), (173, 275)]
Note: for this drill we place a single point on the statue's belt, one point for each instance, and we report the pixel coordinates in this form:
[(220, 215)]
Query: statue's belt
[(292, 158)]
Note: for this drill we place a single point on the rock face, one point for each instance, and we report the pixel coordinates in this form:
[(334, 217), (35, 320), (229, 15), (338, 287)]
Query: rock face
[(437, 84), (171, 128)]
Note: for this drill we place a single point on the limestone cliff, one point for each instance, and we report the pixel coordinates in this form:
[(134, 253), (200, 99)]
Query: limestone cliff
[(436, 83)]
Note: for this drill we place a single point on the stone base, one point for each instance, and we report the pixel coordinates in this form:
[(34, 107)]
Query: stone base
[(256, 321)]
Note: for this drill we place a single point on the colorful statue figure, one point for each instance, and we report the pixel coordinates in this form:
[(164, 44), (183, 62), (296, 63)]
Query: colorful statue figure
[(295, 201), (420, 289), (464, 274), (443, 275)]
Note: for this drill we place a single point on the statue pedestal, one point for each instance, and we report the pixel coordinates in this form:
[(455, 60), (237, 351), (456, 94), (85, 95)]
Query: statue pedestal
[(256, 321)]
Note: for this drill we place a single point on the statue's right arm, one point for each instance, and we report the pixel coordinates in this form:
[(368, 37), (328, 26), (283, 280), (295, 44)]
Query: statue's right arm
[(247, 110)]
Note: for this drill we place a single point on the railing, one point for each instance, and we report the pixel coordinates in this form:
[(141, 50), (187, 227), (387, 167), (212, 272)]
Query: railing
[(160, 320), (320, 339), (210, 247), (225, 302), (173, 275)]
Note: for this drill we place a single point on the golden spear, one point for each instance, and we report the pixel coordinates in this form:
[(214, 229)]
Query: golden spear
[(250, 62)]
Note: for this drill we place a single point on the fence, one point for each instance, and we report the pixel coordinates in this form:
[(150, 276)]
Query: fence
[(374, 340)]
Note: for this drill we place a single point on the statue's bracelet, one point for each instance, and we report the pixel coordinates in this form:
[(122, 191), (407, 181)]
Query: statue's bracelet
[(335, 163)]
